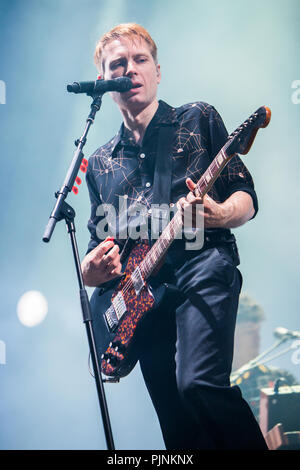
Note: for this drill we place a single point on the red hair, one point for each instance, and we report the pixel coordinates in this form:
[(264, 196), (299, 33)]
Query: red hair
[(127, 30)]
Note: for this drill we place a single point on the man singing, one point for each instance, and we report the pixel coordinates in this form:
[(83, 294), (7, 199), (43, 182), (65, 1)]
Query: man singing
[(185, 351)]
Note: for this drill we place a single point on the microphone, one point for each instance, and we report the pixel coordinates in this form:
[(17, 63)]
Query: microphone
[(119, 84), (281, 332)]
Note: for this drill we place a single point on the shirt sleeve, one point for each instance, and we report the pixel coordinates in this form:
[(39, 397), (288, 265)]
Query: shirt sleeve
[(235, 176)]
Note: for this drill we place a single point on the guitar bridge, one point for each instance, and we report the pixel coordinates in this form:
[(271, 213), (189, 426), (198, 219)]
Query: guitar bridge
[(137, 280)]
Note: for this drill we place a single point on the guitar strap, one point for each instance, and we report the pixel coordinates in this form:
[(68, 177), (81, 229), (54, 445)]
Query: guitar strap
[(162, 180), (162, 183), (163, 165)]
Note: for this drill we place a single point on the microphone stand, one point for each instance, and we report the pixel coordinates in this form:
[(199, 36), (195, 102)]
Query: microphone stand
[(62, 210)]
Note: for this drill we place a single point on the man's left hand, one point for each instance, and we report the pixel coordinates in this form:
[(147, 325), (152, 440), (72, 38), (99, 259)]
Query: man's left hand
[(233, 212), (195, 207)]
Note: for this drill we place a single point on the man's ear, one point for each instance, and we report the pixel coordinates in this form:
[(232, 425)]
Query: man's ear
[(158, 73)]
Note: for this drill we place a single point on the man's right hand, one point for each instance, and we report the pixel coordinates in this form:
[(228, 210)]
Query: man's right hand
[(101, 265)]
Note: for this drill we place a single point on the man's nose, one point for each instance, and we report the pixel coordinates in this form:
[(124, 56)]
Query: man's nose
[(131, 68)]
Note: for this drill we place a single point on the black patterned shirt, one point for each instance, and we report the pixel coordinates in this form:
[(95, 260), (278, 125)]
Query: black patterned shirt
[(120, 173)]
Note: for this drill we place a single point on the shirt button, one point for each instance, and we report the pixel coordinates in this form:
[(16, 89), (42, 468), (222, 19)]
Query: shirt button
[(142, 155), (148, 184)]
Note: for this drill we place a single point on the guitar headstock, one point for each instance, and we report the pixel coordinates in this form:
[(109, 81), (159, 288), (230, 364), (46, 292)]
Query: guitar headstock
[(241, 140)]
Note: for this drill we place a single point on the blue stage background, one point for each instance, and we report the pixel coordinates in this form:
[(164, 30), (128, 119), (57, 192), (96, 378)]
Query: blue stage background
[(234, 54)]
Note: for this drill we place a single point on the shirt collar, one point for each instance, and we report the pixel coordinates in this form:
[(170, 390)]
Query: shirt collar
[(165, 115)]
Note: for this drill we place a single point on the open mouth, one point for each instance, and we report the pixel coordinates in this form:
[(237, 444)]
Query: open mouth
[(137, 85)]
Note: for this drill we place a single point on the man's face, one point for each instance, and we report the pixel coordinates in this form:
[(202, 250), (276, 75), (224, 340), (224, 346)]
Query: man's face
[(133, 59)]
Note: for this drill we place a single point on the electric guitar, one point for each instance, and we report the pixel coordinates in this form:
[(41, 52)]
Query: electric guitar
[(118, 311)]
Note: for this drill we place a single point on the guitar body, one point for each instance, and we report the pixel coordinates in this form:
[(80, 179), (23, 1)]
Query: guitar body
[(116, 343)]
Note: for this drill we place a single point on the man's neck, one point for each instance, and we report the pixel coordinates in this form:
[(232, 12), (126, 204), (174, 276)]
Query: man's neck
[(137, 122)]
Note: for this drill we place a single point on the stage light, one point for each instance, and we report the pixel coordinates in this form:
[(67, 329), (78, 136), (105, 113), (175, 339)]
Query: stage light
[(32, 308)]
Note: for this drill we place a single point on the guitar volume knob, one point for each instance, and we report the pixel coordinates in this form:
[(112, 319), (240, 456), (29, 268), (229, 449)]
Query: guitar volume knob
[(118, 346)]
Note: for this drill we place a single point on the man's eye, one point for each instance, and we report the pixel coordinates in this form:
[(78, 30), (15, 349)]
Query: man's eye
[(116, 65), (142, 59)]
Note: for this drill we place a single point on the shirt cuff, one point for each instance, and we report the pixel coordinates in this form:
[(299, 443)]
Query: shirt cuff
[(247, 189)]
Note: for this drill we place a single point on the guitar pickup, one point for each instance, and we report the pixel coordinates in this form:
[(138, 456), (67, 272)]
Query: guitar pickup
[(111, 318), (119, 305), (137, 280), (115, 311)]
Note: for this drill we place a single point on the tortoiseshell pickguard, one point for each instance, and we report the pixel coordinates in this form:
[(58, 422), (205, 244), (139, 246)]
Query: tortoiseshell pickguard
[(137, 306)]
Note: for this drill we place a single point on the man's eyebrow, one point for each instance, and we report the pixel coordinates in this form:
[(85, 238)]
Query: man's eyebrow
[(142, 54), (121, 57), (116, 59)]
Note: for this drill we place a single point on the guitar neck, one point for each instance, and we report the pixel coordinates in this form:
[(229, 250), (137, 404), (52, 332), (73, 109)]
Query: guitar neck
[(161, 246)]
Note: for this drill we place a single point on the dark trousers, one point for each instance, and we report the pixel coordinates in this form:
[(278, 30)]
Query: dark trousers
[(186, 357)]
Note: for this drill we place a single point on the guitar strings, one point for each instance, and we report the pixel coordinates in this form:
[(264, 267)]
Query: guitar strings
[(153, 253)]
